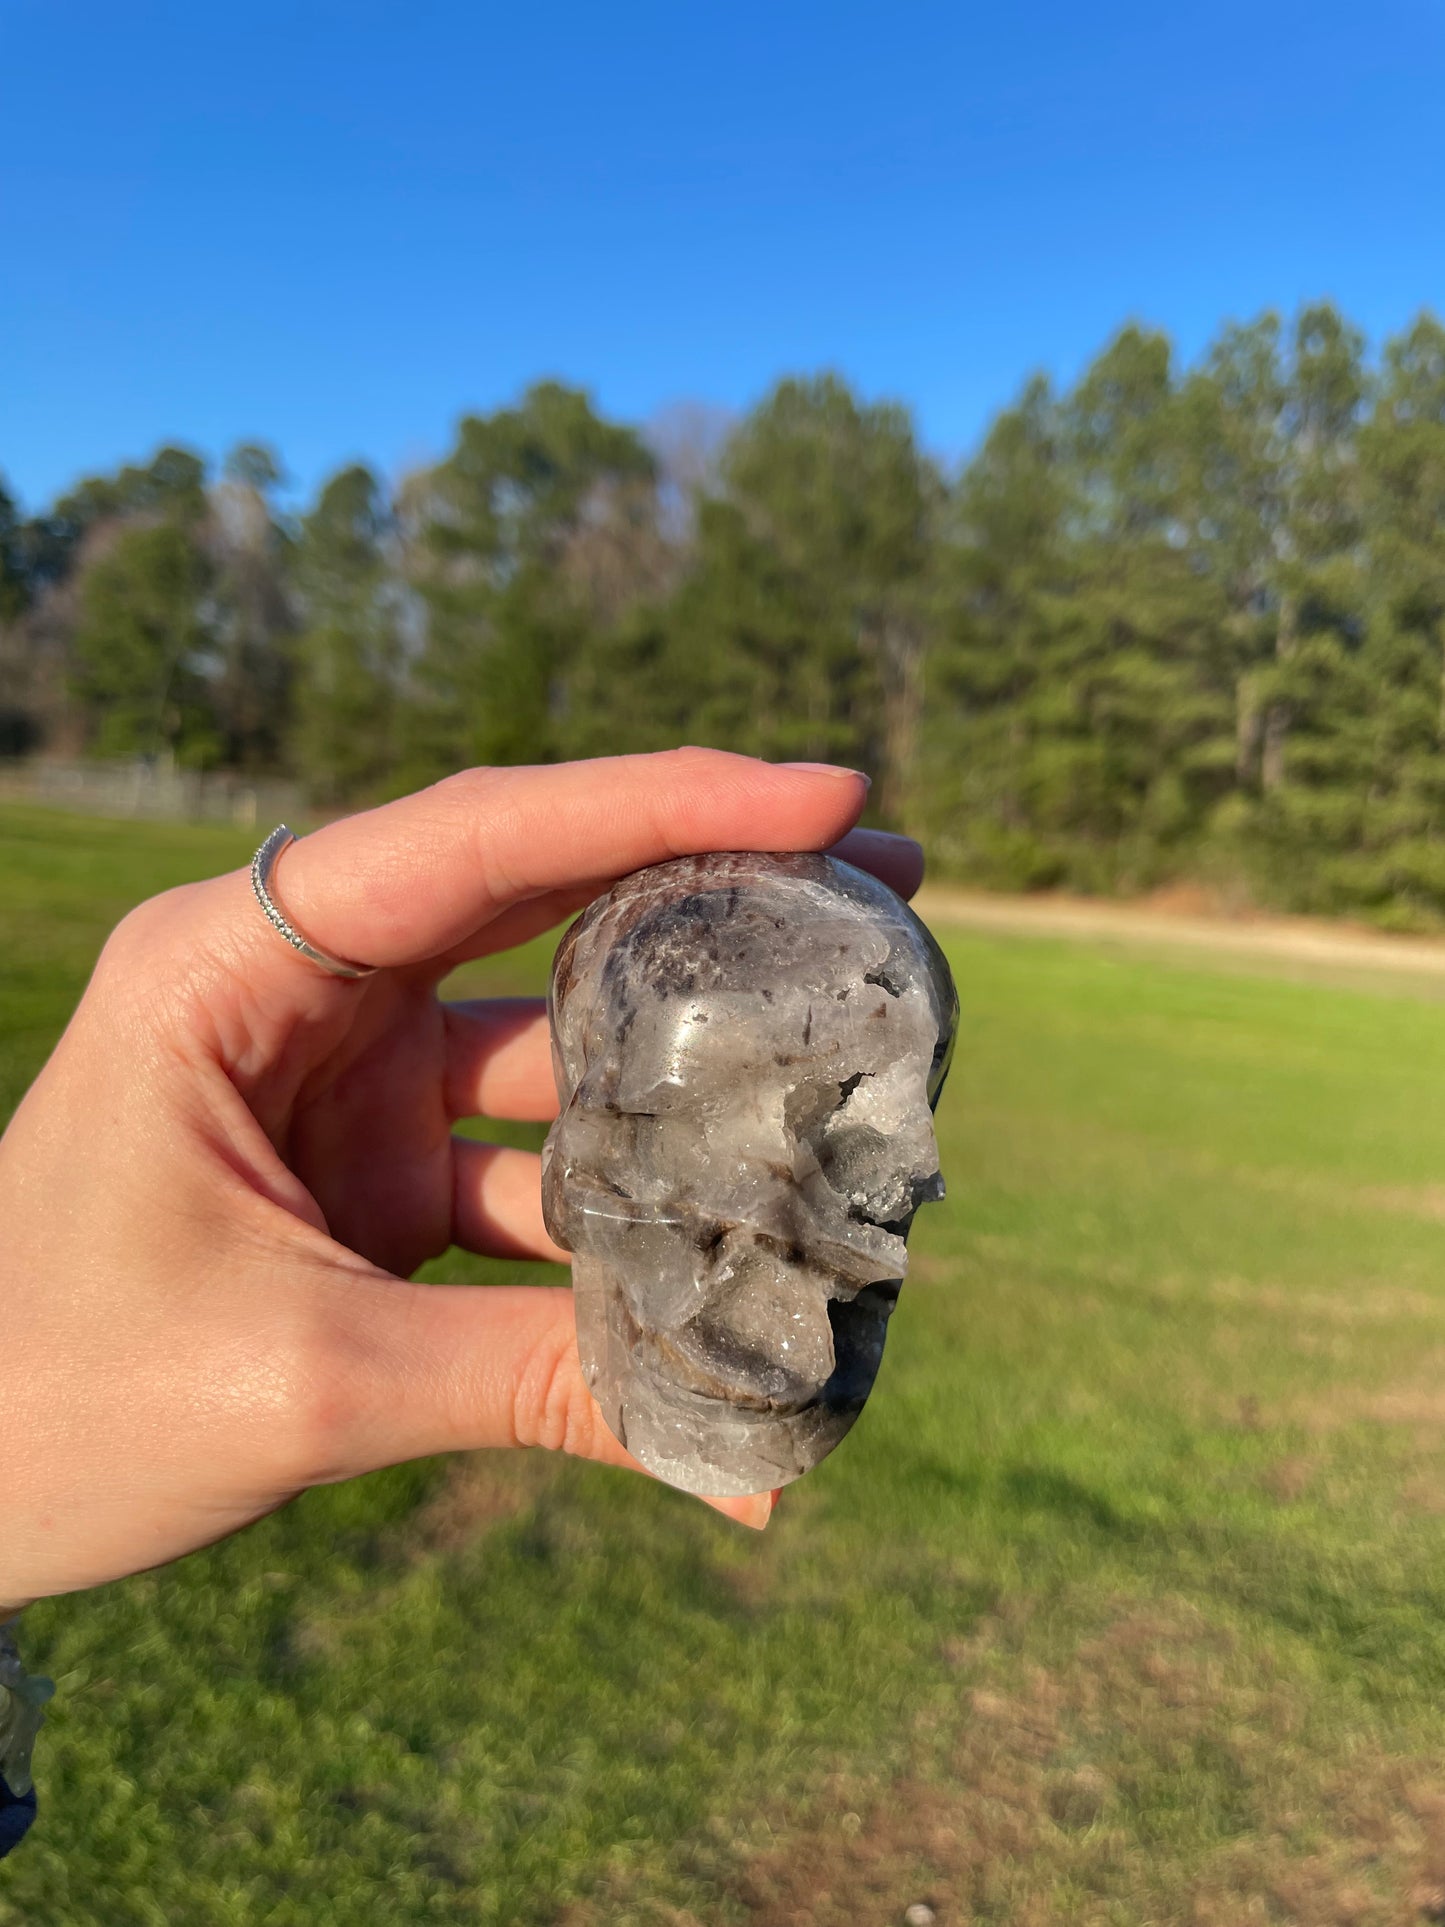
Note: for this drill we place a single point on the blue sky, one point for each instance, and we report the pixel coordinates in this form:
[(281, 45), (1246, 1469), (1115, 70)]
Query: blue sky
[(336, 227)]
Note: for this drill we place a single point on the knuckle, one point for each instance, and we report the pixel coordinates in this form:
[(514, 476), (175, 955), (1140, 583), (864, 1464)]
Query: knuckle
[(145, 934), (456, 799), (554, 1407), (696, 762), (132, 937)]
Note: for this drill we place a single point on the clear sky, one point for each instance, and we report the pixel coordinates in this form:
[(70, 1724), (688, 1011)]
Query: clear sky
[(335, 227)]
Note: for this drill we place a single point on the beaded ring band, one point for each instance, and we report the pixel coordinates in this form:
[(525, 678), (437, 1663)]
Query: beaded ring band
[(263, 868)]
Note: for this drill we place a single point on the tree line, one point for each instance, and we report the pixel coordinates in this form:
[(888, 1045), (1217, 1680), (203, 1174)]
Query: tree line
[(1172, 622)]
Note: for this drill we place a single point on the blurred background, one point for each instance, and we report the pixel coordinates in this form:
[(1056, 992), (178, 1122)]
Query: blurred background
[(1046, 414), (1044, 410)]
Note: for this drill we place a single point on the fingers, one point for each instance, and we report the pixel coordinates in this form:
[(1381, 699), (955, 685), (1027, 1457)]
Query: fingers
[(894, 860), (498, 1053), (897, 860), (414, 880), (499, 1059), (497, 1203), (421, 1369)]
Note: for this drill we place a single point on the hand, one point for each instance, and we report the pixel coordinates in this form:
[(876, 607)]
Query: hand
[(214, 1191)]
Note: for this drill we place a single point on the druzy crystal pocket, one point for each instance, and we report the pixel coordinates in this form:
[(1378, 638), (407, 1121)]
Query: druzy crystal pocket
[(748, 1050)]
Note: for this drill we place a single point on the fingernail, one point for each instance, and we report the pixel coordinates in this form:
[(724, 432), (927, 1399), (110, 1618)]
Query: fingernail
[(759, 1511), (829, 769), (753, 1511)]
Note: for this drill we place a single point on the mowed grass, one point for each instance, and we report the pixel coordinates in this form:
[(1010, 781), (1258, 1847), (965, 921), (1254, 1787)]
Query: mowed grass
[(1124, 1602)]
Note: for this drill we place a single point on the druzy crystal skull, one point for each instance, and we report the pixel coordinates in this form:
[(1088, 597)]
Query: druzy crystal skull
[(748, 1050)]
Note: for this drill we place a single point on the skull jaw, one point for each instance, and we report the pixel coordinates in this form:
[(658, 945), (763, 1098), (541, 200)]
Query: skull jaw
[(711, 1445)]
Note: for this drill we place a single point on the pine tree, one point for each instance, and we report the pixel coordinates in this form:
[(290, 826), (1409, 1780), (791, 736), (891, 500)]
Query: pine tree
[(350, 653), (489, 532)]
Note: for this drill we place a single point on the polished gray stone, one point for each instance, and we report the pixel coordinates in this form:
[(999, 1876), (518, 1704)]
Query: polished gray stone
[(748, 1050)]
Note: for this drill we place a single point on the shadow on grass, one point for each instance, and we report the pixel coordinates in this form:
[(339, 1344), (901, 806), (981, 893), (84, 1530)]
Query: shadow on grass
[(1040, 1488)]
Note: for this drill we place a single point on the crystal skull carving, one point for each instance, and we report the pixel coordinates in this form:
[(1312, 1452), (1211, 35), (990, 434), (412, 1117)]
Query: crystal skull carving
[(748, 1050)]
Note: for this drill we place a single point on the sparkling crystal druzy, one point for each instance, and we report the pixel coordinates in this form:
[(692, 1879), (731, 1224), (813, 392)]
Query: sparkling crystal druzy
[(748, 1050)]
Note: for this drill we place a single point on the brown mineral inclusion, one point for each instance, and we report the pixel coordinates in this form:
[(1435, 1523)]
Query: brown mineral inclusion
[(748, 1050)]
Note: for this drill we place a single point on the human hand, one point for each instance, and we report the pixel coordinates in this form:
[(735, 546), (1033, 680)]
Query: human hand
[(213, 1193)]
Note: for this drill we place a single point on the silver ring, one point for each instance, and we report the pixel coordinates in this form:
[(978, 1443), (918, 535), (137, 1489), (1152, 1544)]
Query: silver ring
[(263, 868)]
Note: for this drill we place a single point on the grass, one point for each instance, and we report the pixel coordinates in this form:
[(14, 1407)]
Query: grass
[(1124, 1602)]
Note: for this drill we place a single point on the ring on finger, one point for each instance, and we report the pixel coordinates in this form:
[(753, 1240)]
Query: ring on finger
[(263, 869)]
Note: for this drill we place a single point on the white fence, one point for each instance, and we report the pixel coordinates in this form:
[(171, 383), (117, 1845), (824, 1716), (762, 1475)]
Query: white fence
[(155, 790)]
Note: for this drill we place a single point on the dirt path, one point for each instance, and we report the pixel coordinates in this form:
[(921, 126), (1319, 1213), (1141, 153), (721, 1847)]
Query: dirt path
[(1291, 939)]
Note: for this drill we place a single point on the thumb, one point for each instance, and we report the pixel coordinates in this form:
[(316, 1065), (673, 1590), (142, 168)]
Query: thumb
[(421, 1369)]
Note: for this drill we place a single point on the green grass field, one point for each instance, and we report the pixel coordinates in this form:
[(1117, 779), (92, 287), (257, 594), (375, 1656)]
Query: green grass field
[(1124, 1602)]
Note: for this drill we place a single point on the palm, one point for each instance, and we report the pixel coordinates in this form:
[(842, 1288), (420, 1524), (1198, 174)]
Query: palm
[(366, 1126)]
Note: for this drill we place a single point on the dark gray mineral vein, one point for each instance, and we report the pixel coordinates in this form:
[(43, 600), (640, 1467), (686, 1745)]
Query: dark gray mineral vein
[(748, 1050)]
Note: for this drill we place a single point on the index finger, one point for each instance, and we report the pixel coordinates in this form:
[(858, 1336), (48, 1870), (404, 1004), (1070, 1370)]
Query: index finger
[(894, 860), (413, 880)]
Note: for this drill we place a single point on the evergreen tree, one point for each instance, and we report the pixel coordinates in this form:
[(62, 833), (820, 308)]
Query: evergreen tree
[(1233, 426), (1167, 623), (19, 720), (249, 615), (139, 643), (349, 654), (1149, 742), (1398, 859), (1003, 617), (1315, 753), (14, 574), (489, 533), (833, 518)]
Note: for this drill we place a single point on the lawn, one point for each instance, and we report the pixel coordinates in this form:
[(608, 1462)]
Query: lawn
[(1124, 1602)]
